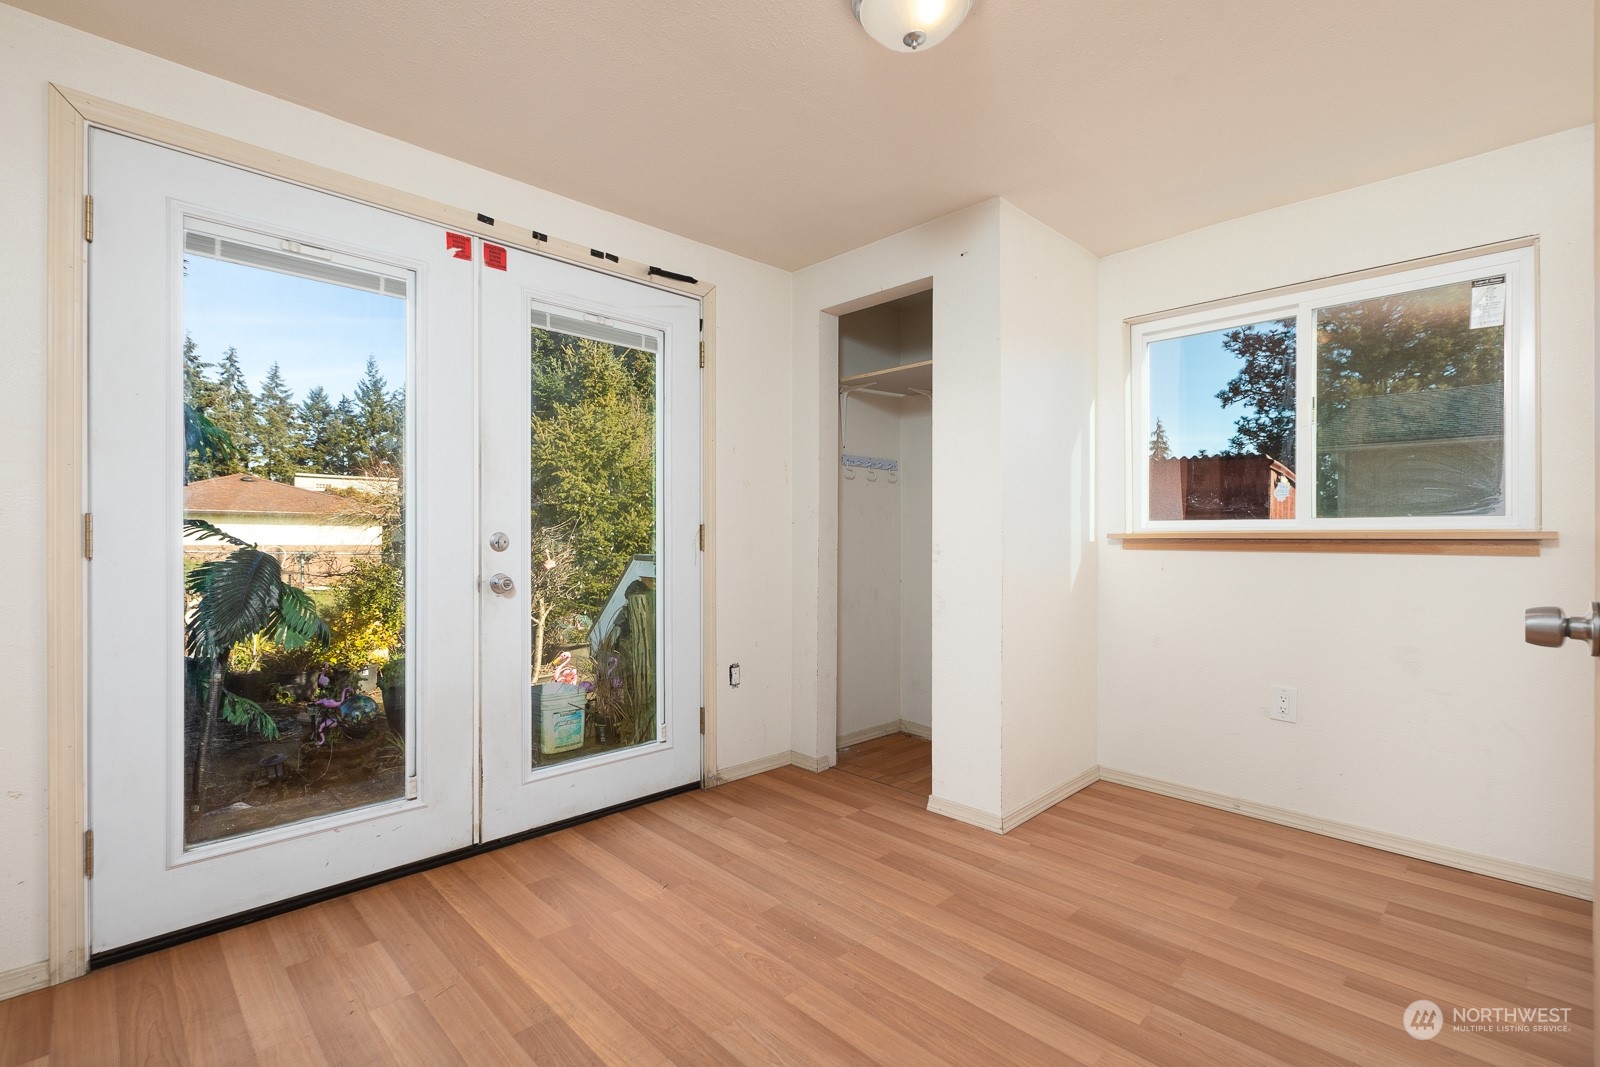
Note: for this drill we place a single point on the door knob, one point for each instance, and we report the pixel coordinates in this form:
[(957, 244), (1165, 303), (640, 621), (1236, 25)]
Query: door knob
[(502, 585), (1550, 627)]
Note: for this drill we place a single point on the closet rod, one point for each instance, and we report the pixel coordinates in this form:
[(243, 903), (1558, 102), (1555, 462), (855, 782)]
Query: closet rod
[(868, 387)]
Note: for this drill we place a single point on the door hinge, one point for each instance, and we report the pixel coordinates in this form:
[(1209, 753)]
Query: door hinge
[(88, 219), (88, 535), (702, 720), (88, 853), (702, 355), (702, 537)]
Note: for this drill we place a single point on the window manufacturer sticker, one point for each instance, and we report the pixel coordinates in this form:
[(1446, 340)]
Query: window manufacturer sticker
[(1489, 302)]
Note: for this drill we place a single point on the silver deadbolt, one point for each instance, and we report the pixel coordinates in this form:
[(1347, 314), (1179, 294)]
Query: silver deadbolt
[(1550, 627), (502, 585), (499, 542)]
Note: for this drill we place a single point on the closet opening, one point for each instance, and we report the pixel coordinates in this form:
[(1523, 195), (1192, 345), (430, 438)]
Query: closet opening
[(885, 572)]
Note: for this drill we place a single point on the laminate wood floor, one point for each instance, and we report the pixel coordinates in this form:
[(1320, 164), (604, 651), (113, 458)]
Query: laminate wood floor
[(898, 760), (799, 918)]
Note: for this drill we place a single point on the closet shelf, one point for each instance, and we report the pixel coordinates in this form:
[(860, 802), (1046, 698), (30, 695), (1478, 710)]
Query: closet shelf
[(901, 379)]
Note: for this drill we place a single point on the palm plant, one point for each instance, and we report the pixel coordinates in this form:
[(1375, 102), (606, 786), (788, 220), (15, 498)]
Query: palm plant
[(238, 597)]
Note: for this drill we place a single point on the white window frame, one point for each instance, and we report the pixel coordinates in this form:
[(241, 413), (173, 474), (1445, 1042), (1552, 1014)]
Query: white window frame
[(1519, 265)]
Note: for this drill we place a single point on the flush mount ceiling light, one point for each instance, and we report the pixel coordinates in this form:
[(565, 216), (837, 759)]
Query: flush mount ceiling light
[(910, 25)]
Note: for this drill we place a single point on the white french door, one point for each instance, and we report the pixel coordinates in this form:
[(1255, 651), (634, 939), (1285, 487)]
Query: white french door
[(206, 283), (590, 410), (300, 671)]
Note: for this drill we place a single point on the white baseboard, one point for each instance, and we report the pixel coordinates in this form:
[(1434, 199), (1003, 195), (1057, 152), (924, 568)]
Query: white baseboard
[(21, 980), (962, 813), (1506, 870), (1010, 820), (745, 770), (771, 763), (871, 733), (897, 726), (811, 763), (1017, 816)]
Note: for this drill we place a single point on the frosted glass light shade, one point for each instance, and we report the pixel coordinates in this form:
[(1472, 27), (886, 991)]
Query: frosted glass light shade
[(910, 25)]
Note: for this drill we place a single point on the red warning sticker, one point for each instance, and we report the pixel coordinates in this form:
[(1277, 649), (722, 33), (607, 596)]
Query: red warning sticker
[(459, 245), (494, 256)]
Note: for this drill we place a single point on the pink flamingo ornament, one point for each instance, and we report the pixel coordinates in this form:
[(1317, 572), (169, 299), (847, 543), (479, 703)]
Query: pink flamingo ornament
[(564, 672), (328, 716)]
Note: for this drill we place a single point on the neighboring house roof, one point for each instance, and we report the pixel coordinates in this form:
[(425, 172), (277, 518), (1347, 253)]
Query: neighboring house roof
[(1421, 415), (249, 494)]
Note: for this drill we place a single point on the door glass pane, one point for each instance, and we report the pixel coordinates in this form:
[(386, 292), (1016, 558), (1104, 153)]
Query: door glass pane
[(1222, 420), (593, 582), (294, 547), (1411, 403)]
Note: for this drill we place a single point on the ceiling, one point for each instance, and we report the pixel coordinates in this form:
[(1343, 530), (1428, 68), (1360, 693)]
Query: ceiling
[(778, 130)]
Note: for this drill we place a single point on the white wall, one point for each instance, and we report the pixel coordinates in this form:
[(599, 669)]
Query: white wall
[(1421, 712), (1048, 389), (869, 571), (753, 370)]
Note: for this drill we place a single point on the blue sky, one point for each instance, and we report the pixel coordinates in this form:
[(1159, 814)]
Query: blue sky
[(1186, 373), (318, 333)]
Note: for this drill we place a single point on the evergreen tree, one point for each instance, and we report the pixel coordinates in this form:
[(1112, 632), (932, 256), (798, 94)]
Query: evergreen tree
[(593, 459), (198, 390), (1160, 447), (378, 431), (200, 402), (276, 434), (343, 453), (314, 425), (234, 413)]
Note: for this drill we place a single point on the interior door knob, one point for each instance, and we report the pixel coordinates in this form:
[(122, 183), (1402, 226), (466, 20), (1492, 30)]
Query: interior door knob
[(1550, 627), (502, 585)]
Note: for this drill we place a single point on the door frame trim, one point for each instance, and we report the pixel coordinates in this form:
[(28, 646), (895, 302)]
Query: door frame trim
[(70, 114)]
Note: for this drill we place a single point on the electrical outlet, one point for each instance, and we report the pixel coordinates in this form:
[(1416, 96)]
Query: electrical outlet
[(1282, 706), (733, 675)]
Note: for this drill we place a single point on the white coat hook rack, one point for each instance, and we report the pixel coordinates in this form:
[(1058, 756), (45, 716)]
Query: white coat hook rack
[(872, 465)]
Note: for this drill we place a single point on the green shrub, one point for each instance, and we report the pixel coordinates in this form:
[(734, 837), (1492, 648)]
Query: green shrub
[(368, 616)]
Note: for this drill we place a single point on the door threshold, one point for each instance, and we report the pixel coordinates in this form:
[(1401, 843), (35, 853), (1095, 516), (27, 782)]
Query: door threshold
[(267, 911)]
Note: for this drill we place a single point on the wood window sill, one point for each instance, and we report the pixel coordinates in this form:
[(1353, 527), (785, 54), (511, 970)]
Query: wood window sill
[(1402, 542)]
